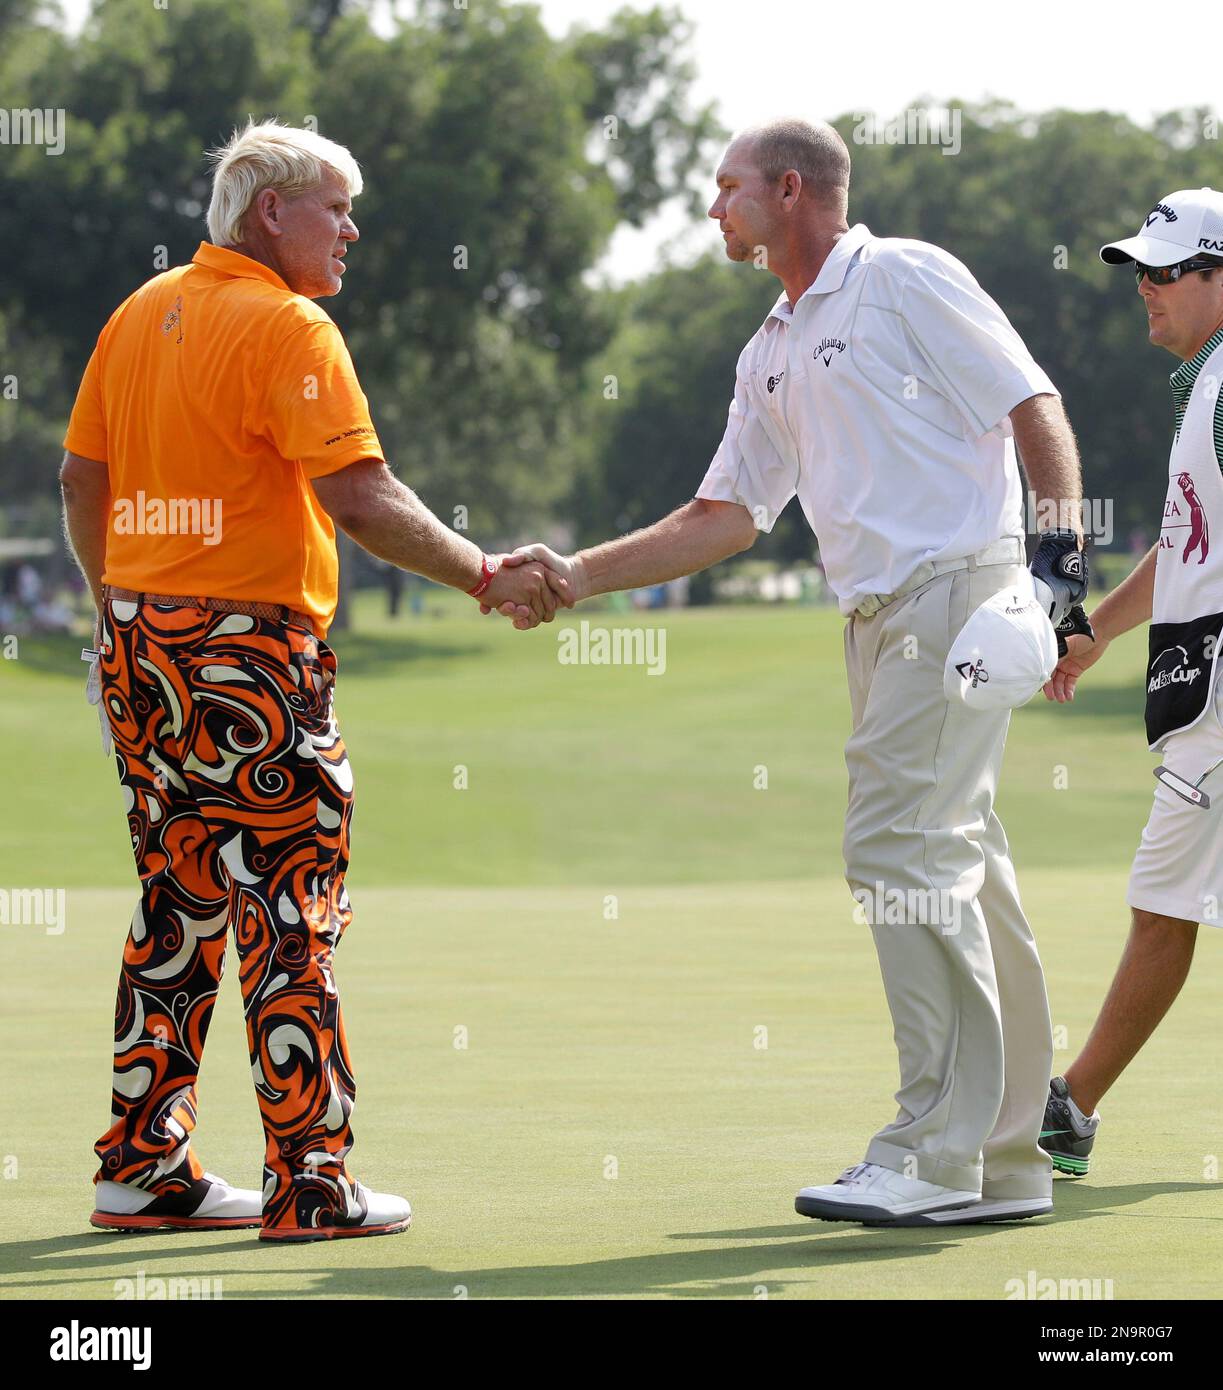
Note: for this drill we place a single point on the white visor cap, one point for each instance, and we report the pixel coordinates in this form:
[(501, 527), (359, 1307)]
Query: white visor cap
[(1183, 225), (1004, 653)]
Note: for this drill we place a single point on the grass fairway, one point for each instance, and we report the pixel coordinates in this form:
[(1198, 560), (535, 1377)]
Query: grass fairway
[(613, 1125)]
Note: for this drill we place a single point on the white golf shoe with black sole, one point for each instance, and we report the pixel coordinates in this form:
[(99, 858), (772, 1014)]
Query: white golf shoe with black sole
[(977, 1213), (208, 1203), (869, 1193)]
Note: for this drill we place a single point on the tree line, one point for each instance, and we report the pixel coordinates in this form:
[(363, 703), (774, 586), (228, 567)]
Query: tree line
[(509, 386)]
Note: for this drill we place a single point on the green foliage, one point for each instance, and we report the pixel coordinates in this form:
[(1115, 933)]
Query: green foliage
[(1026, 204), (636, 101), (476, 133), (490, 145), (673, 365), (1026, 196)]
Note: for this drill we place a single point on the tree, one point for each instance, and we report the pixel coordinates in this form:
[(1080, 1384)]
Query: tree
[(1025, 203), (489, 195)]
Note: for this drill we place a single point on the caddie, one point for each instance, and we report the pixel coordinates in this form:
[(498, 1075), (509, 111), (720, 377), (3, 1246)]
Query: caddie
[(1177, 877)]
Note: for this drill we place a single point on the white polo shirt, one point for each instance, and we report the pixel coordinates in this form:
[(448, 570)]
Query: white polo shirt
[(882, 401)]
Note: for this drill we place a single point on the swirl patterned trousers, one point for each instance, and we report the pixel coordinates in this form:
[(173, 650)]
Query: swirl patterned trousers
[(239, 798)]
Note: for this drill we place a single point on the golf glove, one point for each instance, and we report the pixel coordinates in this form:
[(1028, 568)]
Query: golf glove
[(1059, 571), (93, 693)]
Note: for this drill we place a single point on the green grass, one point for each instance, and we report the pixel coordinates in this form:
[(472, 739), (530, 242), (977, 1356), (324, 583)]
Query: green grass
[(612, 1128), (580, 774)]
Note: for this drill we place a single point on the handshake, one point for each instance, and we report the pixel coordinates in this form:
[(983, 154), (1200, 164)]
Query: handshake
[(532, 583)]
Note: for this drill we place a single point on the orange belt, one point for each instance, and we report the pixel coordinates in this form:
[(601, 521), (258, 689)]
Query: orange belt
[(275, 612)]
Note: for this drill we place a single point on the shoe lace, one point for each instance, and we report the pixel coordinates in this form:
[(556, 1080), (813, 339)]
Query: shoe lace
[(853, 1177)]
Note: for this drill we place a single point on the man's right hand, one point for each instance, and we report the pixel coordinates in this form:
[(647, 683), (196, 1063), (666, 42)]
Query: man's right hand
[(1059, 572), (525, 592), (567, 567), (1081, 653)]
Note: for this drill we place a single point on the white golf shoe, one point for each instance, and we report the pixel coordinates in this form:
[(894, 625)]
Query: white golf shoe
[(976, 1213), (200, 1204), (369, 1214), (869, 1193)]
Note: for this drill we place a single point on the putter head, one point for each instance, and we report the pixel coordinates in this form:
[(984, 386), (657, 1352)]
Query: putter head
[(1194, 795)]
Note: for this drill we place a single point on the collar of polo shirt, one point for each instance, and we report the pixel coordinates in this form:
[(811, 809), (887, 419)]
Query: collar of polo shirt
[(832, 272), (235, 263)]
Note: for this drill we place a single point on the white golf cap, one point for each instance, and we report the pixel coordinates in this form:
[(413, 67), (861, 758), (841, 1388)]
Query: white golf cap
[(1004, 653), (1184, 224)]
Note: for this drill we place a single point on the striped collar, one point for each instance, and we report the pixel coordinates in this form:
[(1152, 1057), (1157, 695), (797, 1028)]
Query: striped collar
[(1183, 378)]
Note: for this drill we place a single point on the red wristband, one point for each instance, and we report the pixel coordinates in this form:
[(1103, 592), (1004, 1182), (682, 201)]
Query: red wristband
[(488, 571)]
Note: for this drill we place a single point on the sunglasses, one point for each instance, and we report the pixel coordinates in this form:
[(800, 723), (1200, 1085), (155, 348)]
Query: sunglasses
[(1168, 274)]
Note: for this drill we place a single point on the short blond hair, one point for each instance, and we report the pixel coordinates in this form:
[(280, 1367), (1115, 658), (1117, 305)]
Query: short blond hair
[(815, 149), (270, 155)]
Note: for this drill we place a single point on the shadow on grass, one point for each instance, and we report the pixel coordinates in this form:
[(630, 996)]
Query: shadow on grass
[(359, 653), (722, 1271)]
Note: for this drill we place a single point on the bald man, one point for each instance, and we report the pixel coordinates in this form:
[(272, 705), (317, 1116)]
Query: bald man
[(888, 392)]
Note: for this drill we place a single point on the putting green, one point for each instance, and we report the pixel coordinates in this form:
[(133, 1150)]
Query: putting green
[(639, 1095)]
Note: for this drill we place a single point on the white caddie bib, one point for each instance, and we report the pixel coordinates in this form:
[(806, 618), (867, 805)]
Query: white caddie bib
[(1187, 611)]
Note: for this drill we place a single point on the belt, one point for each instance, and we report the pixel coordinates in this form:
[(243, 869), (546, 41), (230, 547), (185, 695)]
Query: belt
[(274, 612), (1008, 550)]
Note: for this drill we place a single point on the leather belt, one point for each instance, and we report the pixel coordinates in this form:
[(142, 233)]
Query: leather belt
[(1008, 550), (274, 612)]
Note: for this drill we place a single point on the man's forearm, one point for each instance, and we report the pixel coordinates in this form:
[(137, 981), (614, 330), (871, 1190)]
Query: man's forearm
[(1050, 459), (1130, 603), (692, 538), (391, 522), (86, 522)]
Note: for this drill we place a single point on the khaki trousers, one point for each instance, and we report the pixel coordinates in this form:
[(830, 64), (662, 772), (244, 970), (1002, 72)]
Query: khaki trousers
[(927, 859)]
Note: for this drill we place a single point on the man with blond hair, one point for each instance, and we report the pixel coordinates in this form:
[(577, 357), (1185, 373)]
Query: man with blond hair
[(888, 391), (221, 390)]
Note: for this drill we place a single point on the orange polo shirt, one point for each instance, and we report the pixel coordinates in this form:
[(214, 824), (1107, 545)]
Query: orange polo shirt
[(213, 396)]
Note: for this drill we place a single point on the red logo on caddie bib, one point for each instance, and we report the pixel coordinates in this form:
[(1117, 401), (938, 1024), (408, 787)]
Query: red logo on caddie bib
[(1199, 532)]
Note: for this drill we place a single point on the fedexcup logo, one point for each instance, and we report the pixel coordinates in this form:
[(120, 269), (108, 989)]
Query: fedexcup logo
[(1182, 674)]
